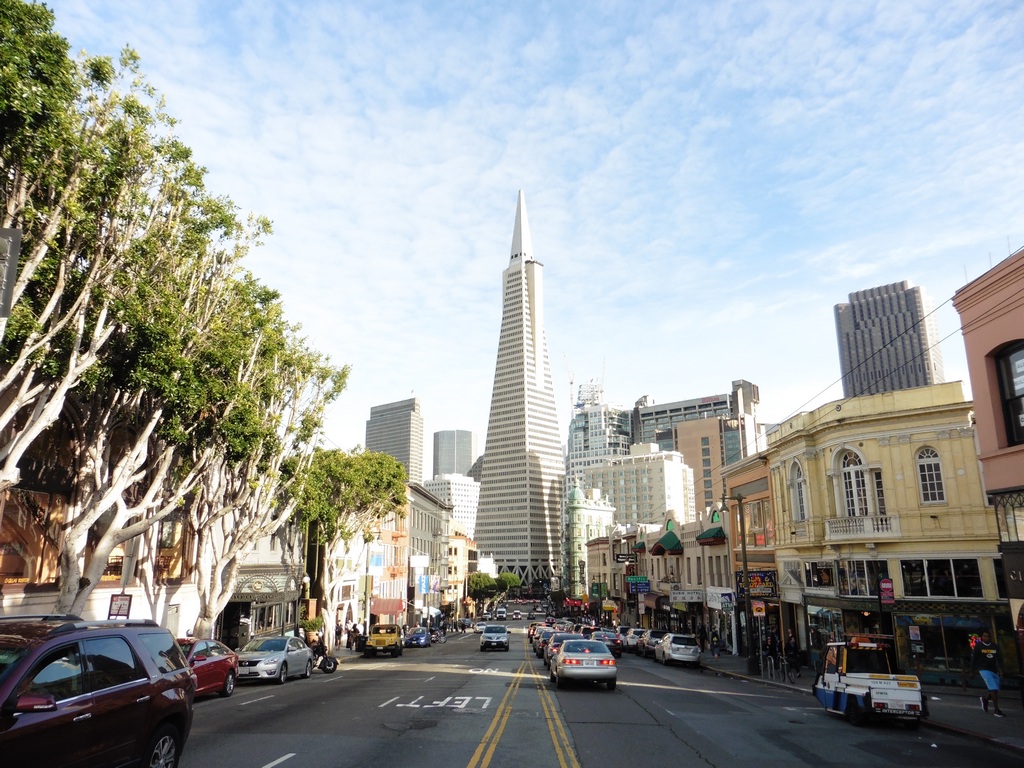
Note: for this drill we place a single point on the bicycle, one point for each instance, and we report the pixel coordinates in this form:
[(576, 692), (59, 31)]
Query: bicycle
[(787, 670), (438, 637)]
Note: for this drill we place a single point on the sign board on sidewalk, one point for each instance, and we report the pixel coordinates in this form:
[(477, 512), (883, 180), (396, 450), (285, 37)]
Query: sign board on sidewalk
[(120, 607)]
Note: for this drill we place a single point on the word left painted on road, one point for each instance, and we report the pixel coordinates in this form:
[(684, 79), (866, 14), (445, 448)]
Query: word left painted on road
[(453, 702)]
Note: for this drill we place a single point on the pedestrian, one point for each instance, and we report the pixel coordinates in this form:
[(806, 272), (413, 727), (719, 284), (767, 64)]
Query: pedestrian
[(714, 643), (792, 651), (987, 660), (703, 634)]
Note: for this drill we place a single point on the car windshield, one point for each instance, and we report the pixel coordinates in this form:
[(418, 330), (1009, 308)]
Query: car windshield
[(383, 630), (683, 640), (495, 629), (419, 631), (265, 645)]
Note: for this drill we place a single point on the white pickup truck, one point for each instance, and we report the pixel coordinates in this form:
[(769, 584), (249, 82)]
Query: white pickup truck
[(856, 680)]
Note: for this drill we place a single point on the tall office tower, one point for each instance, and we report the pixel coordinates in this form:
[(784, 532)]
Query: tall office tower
[(598, 432), (520, 513), (656, 423), (463, 494), (454, 452), (888, 340), (647, 486), (397, 430)]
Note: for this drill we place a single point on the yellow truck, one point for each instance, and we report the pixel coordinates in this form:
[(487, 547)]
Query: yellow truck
[(384, 638)]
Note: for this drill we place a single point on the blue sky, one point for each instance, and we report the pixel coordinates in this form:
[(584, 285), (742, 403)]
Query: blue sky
[(704, 180)]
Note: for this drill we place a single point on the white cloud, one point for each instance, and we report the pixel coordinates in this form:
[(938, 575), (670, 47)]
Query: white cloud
[(704, 181)]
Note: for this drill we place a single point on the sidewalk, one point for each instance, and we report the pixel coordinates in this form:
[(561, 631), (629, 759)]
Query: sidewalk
[(949, 708)]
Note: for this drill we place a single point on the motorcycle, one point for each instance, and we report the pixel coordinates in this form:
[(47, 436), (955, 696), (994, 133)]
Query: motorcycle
[(323, 662), (438, 637)]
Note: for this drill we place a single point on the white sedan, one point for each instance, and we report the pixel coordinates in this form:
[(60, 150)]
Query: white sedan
[(585, 660)]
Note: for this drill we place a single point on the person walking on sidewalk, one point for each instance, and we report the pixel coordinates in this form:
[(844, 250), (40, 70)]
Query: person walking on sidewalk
[(987, 660)]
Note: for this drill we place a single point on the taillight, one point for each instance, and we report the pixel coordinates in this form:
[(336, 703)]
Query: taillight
[(571, 662)]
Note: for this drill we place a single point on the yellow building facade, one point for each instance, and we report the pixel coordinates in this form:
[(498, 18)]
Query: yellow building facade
[(881, 527)]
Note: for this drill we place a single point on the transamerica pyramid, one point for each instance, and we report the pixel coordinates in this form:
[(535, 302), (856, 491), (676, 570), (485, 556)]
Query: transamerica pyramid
[(520, 511)]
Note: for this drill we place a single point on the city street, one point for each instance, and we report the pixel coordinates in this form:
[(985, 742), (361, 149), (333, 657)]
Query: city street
[(451, 705)]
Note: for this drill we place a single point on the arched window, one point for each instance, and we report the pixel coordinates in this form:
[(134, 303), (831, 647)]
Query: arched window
[(929, 476), (855, 485), (799, 492)]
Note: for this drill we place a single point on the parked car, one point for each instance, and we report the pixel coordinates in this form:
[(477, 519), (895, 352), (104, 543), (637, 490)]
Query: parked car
[(384, 638), (417, 637), (555, 642), (215, 665), (494, 636), (479, 627), (92, 693), (274, 658), (645, 645), (631, 638), (674, 647), (587, 660), (610, 639)]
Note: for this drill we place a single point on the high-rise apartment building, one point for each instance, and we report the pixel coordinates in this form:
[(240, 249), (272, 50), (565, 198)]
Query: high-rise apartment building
[(520, 513), (598, 432), (888, 340), (397, 430), (647, 486), (454, 452), (463, 494)]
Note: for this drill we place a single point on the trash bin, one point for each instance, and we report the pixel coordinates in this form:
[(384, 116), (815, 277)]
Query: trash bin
[(360, 643)]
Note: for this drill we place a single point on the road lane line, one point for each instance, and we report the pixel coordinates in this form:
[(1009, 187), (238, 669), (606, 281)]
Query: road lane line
[(280, 760), (559, 738), (485, 749)]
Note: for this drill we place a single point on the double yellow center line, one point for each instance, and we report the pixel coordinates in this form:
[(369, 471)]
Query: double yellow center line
[(559, 738)]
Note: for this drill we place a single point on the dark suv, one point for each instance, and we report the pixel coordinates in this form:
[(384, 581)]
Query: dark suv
[(92, 693)]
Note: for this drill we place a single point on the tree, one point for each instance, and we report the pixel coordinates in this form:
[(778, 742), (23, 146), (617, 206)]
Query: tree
[(345, 495), (481, 586), (507, 581)]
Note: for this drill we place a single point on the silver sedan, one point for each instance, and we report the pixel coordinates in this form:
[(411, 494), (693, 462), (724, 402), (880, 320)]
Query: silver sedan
[(274, 658), (586, 660), (678, 648)]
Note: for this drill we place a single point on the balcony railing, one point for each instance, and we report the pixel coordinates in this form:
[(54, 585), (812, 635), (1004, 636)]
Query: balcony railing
[(870, 528)]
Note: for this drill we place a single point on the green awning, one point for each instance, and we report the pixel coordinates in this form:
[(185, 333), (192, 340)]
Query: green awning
[(640, 546), (669, 544), (712, 536)]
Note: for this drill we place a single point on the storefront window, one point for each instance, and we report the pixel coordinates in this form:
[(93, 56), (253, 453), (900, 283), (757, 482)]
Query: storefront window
[(938, 642), (820, 574), (941, 577), (30, 529), (823, 625), (859, 578)]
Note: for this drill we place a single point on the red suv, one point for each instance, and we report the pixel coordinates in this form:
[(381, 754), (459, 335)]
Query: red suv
[(92, 693)]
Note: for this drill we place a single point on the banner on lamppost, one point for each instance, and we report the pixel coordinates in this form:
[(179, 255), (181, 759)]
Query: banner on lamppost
[(10, 248)]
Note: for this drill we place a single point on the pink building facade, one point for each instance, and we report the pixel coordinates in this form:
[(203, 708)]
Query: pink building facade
[(992, 318)]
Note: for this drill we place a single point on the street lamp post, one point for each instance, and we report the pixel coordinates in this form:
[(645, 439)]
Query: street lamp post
[(753, 664)]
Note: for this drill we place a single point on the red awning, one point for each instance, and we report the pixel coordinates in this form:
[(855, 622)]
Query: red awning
[(387, 606)]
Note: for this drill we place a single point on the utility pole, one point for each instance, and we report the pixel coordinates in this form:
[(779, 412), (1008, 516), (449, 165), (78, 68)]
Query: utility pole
[(753, 664)]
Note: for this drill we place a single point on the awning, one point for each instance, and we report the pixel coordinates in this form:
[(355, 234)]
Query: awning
[(640, 546), (387, 606), (669, 544), (712, 536), (656, 601)]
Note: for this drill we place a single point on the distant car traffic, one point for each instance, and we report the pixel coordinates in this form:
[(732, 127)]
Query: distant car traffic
[(630, 639), (215, 665), (610, 639), (680, 648), (274, 658), (418, 637), (585, 660)]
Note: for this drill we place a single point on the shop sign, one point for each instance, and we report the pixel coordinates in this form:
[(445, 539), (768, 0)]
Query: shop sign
[(762, 583), (886, 594)]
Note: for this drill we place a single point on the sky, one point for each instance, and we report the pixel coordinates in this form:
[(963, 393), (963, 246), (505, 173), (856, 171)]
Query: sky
[(704, 181)]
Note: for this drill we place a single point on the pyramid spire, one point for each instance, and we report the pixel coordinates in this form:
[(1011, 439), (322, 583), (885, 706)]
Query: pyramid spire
[(522, 242)]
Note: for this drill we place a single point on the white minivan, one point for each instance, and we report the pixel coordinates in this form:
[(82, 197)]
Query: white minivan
[(502, 614)]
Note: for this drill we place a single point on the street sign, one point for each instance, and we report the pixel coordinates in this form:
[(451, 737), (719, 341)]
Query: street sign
[(636, 578), (886, 594), (624, 557), (639, 587)]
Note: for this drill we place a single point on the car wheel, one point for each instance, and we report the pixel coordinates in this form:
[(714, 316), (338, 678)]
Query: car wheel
[(164, 748), (506, 649), (611, 685), (558, 682), (551, 675), (282, 674), (854, 713), (309, 670), (229, 685)]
